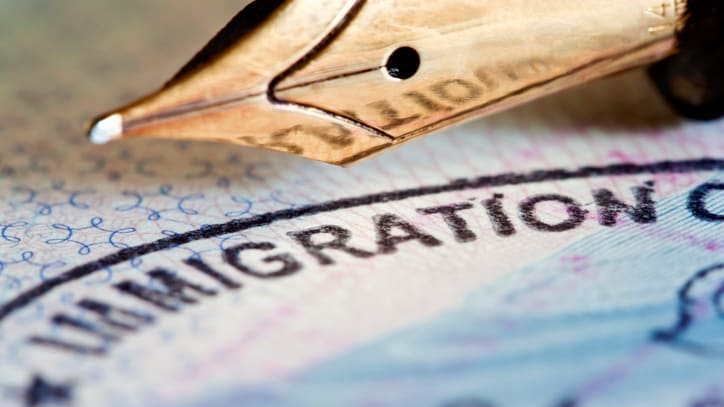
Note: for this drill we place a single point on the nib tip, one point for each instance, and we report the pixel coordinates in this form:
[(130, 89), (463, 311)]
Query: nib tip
[(106, 129)]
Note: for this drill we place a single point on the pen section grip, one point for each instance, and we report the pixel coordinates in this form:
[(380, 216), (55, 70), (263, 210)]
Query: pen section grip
[(692, 80), (476, 57)]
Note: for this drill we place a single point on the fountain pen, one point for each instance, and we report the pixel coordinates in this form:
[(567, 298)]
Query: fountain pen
[(341, 80)]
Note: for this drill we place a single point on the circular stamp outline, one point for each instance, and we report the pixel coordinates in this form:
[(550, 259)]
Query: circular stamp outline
[(238, 225)]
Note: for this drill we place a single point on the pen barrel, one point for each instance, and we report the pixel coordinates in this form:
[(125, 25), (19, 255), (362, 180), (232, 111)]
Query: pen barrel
[(478, 57)]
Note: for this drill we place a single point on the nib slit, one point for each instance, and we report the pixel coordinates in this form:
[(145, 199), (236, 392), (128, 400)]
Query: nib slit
[(106, 129)]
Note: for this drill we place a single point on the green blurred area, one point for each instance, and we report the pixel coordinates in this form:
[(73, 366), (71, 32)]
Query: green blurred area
[(62, 62)]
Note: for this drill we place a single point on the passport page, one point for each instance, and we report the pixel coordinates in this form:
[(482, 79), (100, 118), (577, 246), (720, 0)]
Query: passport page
[(567, 253)]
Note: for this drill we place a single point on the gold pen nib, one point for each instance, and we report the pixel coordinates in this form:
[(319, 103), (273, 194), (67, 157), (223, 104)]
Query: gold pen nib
[(338, 80), (106, 129), (233, 90)]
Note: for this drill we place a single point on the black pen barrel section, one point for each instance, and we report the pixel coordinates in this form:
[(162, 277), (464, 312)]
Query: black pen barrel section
[(692, 81)]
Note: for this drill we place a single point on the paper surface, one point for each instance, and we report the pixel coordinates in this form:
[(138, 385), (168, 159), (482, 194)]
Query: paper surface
[(567, 253)]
